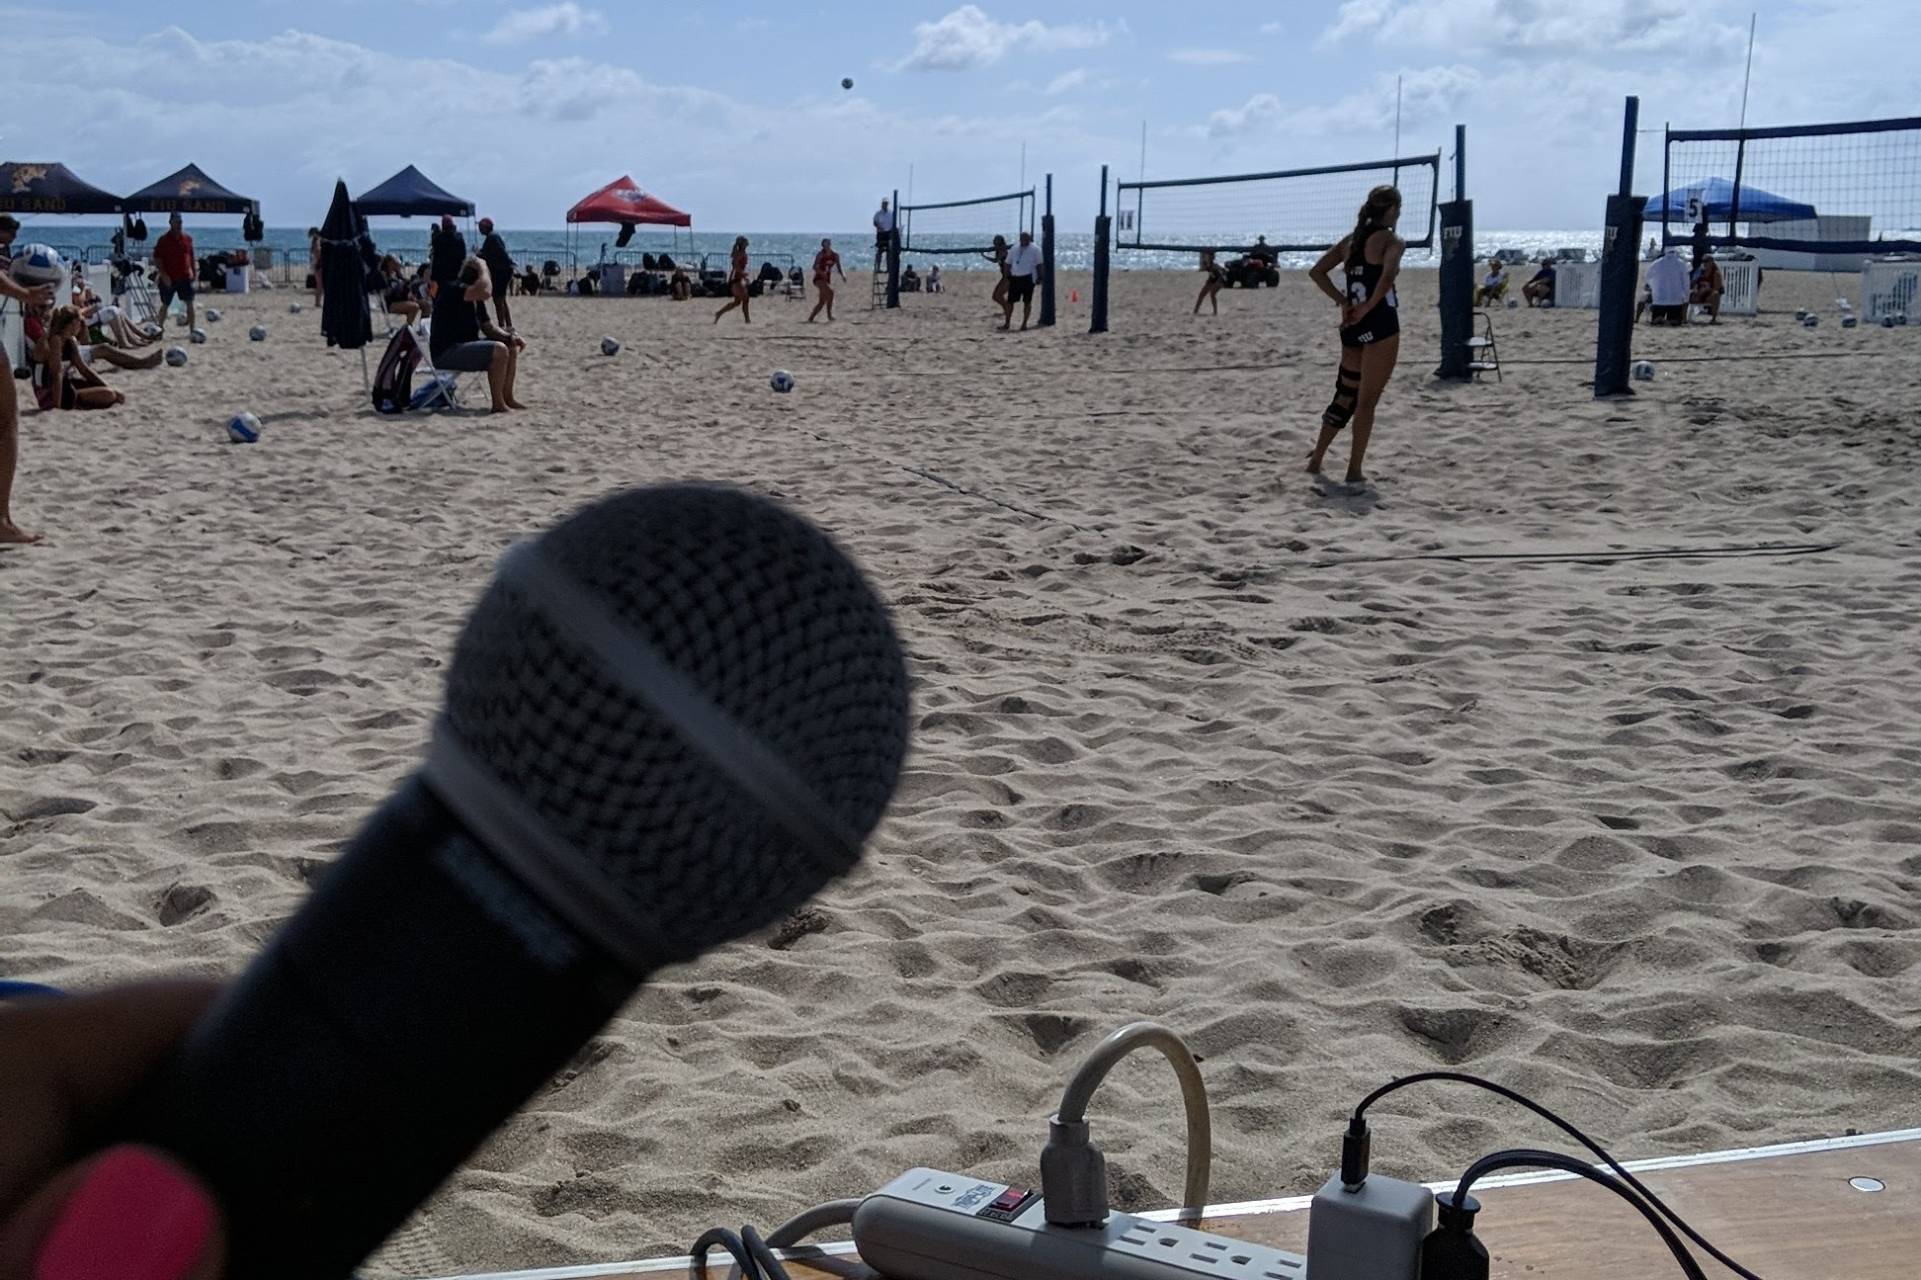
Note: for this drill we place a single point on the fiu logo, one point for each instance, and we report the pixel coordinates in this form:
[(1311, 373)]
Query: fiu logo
[(190, 185), (25, 175)]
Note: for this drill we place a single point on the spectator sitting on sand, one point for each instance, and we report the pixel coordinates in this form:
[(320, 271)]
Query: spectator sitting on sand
[(457, 344), (1707, 287), (933, 278), (90, 344), (1539, 291), (1493, 284), (680, 287), (62, 378)]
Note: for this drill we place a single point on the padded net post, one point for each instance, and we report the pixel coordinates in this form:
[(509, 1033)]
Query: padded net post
[(1097, 291), (893, 269), (1620, 280), (1457, 289), (1047, 258)]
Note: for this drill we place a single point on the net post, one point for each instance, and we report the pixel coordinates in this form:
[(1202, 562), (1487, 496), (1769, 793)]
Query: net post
[(1047, 258), (1457, 290), (1667, 180), (893, 258), (1460, 162), (1620, 258), (1097, 290)]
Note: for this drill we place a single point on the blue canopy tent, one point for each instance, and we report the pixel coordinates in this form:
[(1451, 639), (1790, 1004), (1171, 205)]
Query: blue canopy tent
[(1718, 204), (408, 193)]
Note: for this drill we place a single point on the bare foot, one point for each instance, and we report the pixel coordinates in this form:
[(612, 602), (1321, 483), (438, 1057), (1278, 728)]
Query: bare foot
[(1314, 464), (1355, 477), (515, 404), (12, 535)]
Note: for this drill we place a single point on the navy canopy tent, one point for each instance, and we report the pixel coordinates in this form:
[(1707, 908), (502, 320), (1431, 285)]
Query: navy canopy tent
[(1718, 204), (410, 192), (50, 188), (188, 191)]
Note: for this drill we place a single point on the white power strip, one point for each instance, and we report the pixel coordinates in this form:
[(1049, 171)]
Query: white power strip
[(929, 1225)]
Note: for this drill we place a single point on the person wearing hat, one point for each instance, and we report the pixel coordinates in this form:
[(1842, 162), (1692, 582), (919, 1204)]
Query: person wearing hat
[(500, 266)]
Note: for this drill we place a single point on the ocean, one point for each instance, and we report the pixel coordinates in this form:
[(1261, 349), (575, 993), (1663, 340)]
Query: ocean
[(1073, 251)]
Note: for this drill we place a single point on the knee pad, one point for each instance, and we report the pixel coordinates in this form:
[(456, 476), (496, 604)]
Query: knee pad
[(1347, 389)]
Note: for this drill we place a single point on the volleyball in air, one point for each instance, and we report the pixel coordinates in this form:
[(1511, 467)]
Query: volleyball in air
[(38, 264), (258, 333), (608, 347), (782, 381), (243, 428), (1644, 370), (847, 82), (196, 335), (176, 356)]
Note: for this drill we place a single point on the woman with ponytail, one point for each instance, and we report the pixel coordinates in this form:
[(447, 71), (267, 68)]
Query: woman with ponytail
[(1370, 325)]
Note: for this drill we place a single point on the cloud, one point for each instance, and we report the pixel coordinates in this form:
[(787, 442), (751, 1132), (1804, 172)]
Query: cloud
[(1535, 27), (1066, 82), (1209, 57), (967, 38), (1429, 93), (1273, 28), (518, 26)]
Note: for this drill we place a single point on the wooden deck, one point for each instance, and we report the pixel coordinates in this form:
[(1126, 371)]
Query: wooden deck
[(1840, 1209)]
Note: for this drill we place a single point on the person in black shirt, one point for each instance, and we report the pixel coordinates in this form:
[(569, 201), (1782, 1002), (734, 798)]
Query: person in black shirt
[(446, 252), (457, 343), (500, 266)]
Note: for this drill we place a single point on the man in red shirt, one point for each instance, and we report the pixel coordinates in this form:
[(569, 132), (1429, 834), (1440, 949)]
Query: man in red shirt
[(174, 269)]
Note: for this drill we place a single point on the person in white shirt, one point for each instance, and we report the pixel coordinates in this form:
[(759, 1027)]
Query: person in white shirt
[(1667, 279), (933, 278), (1493, 284), (883, 232), (1024, 272)]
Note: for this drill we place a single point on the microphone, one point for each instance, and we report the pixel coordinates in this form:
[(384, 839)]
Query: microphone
[(669, 722)]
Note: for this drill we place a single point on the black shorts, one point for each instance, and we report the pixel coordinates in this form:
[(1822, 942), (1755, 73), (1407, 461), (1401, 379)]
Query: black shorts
[(467, 357), (1381, 323), (171, 289), (1020, 288)]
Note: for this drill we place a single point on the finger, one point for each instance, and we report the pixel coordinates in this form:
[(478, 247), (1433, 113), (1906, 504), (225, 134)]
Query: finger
[(68, 1063), (129, 1213)]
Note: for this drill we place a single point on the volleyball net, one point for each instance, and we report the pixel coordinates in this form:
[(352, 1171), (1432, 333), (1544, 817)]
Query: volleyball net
[(965, 226), (1288, 211), (1852, 188)]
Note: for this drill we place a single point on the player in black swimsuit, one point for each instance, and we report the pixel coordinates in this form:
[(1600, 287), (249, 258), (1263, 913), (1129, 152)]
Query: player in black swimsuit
[(1370, 325), (1215, 276)]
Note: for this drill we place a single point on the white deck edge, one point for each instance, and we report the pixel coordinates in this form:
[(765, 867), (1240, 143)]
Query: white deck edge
[(1285, 1204)]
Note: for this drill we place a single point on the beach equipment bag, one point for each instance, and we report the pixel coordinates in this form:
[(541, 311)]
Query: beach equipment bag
[(394, 381)]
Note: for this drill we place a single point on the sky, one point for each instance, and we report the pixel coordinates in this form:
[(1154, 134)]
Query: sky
[(735, 112)]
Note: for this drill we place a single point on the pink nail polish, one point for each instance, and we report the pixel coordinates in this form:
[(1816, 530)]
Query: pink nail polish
[(135, 1217)]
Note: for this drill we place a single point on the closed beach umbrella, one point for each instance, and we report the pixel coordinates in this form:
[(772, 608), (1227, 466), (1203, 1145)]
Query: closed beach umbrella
[(343, 311)]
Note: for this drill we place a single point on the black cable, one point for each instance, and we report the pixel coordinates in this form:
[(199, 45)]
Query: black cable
[(1523, 1158), (750, 1253), (1354, 1153)]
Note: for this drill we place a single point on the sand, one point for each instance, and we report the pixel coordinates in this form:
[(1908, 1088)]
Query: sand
[(1338, 787)]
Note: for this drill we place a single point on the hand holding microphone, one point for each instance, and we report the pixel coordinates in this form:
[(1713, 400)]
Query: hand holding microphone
[(669, 722)]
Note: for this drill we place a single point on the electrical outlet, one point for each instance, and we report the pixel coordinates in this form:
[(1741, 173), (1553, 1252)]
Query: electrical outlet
[(929, 1225)]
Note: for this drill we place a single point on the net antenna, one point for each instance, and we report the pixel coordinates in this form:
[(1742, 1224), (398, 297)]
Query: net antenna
[(1297, 210), (966, 226), (1842, 191)]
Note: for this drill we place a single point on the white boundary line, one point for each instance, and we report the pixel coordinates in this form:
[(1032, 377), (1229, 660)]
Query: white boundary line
[(1285, 1204)]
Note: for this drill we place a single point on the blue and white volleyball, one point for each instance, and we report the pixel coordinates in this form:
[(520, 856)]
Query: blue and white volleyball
[(1887, 322), (293, 308), (1810, 321), (608, 347), (38, 264), (258, 333), (1643, 370), (847, 82), (176, 356), (1848, 322), (213, 315), (1801, 316), (151, 329), (243, 428), (1900, 318), (180, 321), (782, 381), (1512, 303), (196, 335)]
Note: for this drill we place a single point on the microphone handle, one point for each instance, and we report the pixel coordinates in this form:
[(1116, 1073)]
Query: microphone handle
[(414, 1002)]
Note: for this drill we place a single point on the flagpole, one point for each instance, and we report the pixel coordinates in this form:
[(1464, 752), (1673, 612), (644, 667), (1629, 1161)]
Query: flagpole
[(1747, 76)]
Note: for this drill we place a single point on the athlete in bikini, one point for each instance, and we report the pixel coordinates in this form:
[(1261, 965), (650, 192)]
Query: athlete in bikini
[(1003, 291), (1216, 276), (1370, 325), (826, 263), (737, 282)]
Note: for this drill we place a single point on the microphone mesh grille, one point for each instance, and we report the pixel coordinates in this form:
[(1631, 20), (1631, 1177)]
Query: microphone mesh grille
[(761, 613)]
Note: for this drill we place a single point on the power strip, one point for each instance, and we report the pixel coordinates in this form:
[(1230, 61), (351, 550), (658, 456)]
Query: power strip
[(929, 1225)]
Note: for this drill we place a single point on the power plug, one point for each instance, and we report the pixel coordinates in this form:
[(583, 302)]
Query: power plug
[(929, 1225), (1373, 1232)]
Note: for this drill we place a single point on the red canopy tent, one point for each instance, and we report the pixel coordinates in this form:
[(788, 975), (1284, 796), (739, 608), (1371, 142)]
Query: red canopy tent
[(622, 203)]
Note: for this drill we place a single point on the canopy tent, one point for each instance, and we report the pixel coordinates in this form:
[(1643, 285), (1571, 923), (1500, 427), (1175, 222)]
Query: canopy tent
[(189, 191), (623, 204), (51, 188), (1717, 197), (411, 192)]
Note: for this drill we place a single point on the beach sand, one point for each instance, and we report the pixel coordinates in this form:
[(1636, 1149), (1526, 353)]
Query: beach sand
[(1338, 787)]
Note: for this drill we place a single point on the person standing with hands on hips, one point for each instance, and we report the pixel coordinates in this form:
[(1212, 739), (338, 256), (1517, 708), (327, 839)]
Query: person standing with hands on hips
[(1370, 325), (174, 269), (1023, 273)]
